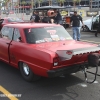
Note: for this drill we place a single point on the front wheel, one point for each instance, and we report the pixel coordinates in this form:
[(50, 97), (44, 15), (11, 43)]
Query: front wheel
[(27, 73), (85, 28)]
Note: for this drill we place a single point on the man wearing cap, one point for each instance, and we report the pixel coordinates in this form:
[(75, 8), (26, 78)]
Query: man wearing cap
[(75, 20)]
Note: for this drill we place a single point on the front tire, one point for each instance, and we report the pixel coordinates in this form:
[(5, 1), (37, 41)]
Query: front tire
[(27, 73), (85, 29)]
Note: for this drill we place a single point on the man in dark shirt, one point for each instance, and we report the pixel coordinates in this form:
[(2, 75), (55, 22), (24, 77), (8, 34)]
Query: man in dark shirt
[(98, 30), (57, 17), (75, 20), (35, 17)]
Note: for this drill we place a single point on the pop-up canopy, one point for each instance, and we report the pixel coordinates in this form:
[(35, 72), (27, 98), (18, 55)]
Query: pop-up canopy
[(49, 7)]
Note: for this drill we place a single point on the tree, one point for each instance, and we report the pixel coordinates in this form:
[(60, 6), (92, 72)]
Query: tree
[(23, 4), (5, 3), (74, 3), (16, 7), (61, 2), (10, 4), (32, 1), (39, 2), (90, 4), (50, 2)]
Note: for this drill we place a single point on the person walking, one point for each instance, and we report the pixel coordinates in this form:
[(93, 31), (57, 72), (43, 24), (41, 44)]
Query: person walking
[(35, 17), (75, 21), (98, 30)]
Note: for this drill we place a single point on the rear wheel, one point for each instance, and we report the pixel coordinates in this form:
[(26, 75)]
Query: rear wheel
[(27, 73)]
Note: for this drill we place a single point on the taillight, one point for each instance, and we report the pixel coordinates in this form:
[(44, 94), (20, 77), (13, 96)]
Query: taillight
[(56, 61)]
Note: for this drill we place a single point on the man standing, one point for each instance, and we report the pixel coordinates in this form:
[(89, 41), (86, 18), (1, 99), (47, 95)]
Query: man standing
[(35, 17), (98, 30), (75, 20), (57, 17)]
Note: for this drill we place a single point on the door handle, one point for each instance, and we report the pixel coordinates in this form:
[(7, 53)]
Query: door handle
[(7, 43)]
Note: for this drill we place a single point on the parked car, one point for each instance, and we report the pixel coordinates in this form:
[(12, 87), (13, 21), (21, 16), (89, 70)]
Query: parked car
[(47, 50), (91, 24), (9, 20)]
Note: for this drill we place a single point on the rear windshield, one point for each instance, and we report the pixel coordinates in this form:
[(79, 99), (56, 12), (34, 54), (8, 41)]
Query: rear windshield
[(46, 34), (15, 20)]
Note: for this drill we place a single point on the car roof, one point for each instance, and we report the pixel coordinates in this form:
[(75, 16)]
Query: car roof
[(30, 25)]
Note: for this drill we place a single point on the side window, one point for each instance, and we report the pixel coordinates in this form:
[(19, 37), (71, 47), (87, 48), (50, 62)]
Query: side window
[(7, 33), (17, 36)]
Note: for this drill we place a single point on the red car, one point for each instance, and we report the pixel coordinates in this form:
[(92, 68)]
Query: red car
[(38, 49), (9, 20)]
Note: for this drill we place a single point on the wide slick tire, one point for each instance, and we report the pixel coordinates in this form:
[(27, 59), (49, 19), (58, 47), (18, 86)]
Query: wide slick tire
[(27, 73)]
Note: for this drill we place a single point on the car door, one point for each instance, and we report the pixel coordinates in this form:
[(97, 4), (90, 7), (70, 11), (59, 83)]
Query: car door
[(5, 42), (1, 21), (95, 23), (15, 48)]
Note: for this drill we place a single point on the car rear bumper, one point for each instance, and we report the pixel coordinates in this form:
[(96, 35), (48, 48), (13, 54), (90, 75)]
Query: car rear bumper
[(66, 70)]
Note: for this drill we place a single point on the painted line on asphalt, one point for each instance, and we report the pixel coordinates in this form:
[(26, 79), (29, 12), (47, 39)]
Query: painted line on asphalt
[(7, 94), (91, 41)]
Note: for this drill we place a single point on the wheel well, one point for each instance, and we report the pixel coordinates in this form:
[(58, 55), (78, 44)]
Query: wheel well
[(19, 63), (31, 77)]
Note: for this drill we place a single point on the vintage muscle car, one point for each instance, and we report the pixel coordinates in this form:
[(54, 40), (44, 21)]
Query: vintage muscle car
[(9, 20), (47, 50)]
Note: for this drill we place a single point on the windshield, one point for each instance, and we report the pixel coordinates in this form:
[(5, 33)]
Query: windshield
[(15, 20), (46, 34)]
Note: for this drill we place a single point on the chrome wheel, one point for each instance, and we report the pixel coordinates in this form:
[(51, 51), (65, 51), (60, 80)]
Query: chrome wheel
[(27, 73), (26, 69)]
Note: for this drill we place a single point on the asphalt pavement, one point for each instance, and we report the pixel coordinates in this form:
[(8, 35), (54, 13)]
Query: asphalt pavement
[(69, 87)]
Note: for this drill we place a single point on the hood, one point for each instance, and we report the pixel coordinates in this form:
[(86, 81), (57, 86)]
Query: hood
[(88, 20)]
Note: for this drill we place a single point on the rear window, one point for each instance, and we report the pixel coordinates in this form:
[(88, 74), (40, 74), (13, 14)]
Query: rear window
[(15, 20), (46, 34)]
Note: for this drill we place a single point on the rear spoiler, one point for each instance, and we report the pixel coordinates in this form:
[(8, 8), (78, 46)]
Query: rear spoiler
[(67, 54)]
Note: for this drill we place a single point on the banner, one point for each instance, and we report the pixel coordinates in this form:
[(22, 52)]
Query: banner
[(92, 13), (63, 13)]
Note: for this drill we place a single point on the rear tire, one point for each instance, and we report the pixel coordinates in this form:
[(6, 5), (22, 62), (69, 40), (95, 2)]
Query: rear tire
[(27, 73)]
